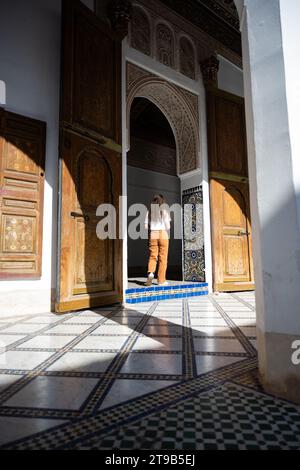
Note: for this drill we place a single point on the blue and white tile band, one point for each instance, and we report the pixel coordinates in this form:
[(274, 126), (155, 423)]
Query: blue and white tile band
[(151, 294)]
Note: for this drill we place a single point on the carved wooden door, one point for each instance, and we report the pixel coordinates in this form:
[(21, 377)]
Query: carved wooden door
[(232, 237), (22, 174), (229, 187), (90, 268)]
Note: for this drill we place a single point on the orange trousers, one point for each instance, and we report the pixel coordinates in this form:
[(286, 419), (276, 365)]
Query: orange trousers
[(158, 253)]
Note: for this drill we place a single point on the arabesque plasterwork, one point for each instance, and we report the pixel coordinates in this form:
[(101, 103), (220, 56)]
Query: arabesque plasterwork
[(179, 106)]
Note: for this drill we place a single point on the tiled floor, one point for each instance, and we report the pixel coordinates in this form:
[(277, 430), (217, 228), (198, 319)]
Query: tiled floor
[(173, 375)]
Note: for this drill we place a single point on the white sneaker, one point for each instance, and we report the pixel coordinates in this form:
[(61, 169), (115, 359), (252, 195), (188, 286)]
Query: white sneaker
[(164, 284), (149, 280)]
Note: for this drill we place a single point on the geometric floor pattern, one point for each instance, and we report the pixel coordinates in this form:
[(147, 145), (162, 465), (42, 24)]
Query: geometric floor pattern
[(179, 374), (229, 417)]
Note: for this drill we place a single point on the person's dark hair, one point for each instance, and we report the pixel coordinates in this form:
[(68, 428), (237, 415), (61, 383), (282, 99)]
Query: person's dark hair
[(158, 199)]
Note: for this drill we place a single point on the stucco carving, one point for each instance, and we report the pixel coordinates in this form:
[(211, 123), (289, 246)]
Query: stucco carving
[(156, 157), (179, 107), (140, 31), (165, 51), (187, 58), (203, 41)]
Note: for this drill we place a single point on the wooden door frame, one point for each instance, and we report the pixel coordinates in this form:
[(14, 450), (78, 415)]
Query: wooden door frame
[(234, 178), (111, 143), (237, 285)]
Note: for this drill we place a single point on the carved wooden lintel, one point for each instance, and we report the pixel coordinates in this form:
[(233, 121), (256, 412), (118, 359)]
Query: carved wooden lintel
[(210, 69), (120, 13)]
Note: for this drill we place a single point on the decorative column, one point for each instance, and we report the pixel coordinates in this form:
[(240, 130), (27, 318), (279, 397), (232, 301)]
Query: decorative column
[(119, 13), (270, 34), (210, 70)]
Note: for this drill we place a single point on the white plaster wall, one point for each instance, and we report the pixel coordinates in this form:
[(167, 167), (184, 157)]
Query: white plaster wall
[(191, 180), (2, 92), (230, 77), (271, 72), (271, 169), (290, 16), (30, 68)]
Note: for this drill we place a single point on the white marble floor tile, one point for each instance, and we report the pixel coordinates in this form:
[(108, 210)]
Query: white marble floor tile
[(241, 314), (209, 363), (7, 340), (244, 322), (24, 360), (65, 393), (82, 320), (70, 329), (94, 314), (19, 428), (83, 362), (164, 344), (159, 322), (113, 330), (212, 331), (195, 315), (103, 342), (130, 322), (47, 342), (168, 322), (158, 329), (8, 380), (43, 319), (218, 345), (169, 318), (153, 364), (232, 308), (249, 331), (124, 390), (208, 322), (23, 328), (166, 313)]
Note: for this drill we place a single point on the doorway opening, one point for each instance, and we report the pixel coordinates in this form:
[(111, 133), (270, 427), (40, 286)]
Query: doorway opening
[(152, 169)]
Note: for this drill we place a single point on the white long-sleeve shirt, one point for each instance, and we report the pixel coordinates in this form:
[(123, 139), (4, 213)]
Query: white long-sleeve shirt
[(162, 222)]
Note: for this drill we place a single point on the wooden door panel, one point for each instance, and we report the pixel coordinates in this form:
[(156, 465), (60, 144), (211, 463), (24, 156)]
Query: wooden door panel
[(230, 137), (95, 187), (233, 208), (236, 267), (235, 246), (226, 129), (94, 267), (90, 269), (230, 203), (92, 62), (22, 172), (232, 238)]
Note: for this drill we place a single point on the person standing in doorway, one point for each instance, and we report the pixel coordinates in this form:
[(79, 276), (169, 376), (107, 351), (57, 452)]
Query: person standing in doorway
[(158, 223)]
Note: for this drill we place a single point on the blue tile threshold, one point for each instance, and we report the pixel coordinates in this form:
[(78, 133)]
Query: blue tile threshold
[(157, 293)]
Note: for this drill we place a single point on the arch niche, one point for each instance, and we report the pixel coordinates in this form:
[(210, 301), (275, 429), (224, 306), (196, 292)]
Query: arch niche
[(179, 106)]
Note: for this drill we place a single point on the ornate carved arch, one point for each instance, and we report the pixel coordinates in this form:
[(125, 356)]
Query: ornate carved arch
[(178, 105)]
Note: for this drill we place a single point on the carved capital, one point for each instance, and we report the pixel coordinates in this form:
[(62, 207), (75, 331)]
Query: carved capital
[(210, 69), (120, 14)]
